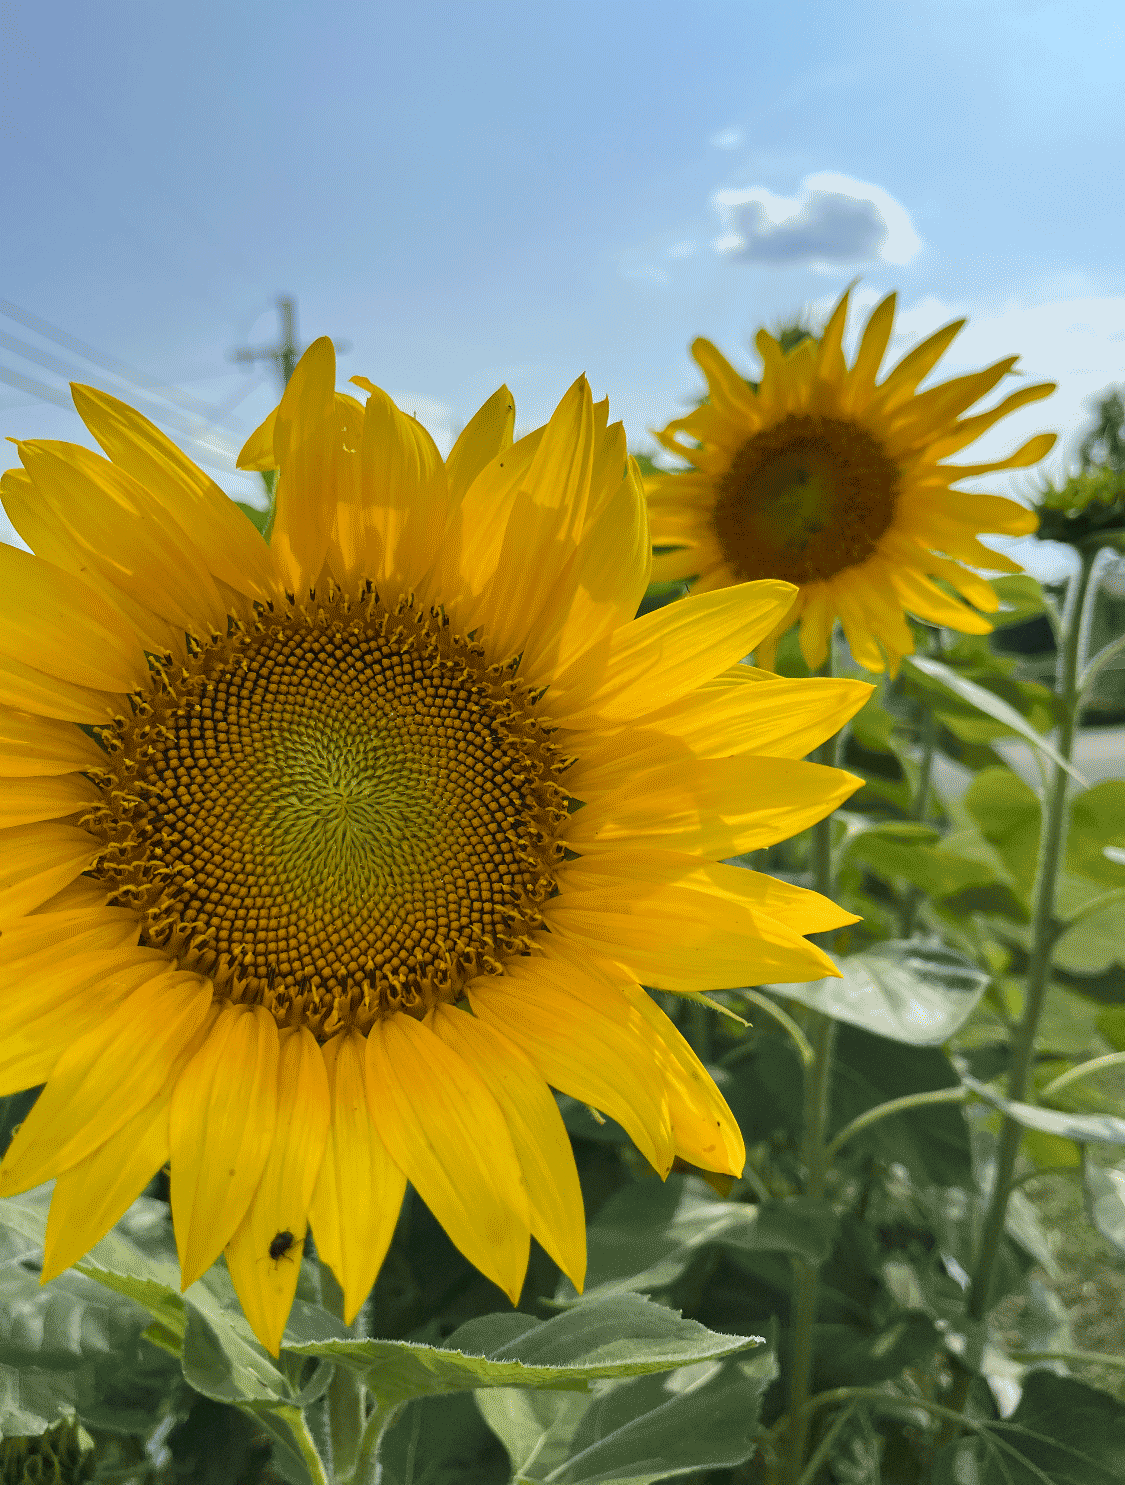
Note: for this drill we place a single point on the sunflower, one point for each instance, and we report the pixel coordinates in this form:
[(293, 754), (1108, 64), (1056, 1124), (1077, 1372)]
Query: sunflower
[(322, 859), (823, 477)]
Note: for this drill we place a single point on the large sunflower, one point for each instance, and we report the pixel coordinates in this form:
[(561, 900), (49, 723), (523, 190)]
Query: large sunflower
[(323, 858), (838, 483)]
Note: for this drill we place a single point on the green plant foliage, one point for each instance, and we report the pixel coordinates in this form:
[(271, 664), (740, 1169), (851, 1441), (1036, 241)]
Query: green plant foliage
[(62, 1455), (1062, 1432)]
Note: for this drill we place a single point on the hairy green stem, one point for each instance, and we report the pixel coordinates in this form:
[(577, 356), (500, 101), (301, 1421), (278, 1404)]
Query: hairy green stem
[(347, 1398), (893, 1106), (821, 1033), (1043, 942)]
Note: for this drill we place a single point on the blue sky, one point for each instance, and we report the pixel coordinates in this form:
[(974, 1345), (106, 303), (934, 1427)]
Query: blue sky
[(519, 192)]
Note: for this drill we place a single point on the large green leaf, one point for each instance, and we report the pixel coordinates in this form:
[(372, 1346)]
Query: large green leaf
[(650, 1428), (1008, 813), (645, 1236), (1062, 1433), (445, 1441), (618, 1336), (932, 1141), (901, 849), (912, 992), (1097, 821), (986, 701)]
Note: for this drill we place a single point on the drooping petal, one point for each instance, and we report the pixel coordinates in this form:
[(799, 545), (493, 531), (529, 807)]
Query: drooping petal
[(573, 1022), (223, 1115), (446, 1132), (539, 1136), (101, 1080), (266, 1284), (358, 1193), (93, 1194)]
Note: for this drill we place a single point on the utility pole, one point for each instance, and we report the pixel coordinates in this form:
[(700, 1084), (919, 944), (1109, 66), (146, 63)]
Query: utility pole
[(287, 352)]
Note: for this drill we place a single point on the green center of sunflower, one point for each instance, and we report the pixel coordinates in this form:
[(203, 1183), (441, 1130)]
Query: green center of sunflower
[(805, 499), (338, 814)]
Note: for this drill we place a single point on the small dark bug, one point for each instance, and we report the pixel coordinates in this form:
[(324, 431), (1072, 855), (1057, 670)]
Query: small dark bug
[(280, 1245)]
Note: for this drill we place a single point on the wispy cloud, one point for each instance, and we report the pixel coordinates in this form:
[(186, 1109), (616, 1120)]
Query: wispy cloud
[(726, 139), (833, 220)]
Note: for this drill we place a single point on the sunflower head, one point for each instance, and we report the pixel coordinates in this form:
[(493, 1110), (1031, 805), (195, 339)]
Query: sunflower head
[(1086, 511), (825, 477), (325, 860)]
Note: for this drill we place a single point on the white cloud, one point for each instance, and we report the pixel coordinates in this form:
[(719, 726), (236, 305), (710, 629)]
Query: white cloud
[(832, 220), (726, 139), (681, 250)]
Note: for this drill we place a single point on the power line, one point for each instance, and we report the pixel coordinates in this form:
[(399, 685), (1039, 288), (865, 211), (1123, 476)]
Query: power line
[(115, 367)]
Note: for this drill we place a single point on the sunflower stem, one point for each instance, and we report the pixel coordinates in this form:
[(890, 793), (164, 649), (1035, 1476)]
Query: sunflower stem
[(1075, 628), (347, 1398), (821, 1033)]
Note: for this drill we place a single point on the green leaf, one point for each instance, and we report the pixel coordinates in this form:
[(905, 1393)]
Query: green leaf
[(1094, 1129), (909, 991), (619, 1336), (1009, 815), (1097, 820), (910, 852), (1104, 1187), (1021, 599), (445, 1441), (1095, 941), (646, 1235), (992, 706), (258, 518), (652, 1428), (1062, 1433), (932, 1141)]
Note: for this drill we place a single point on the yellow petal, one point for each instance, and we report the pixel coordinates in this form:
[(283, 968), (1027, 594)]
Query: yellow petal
[(232, 549), (968, 430), (257, 452), (830, 364), (36, 861), (265, 1285), (48, 536), (685, 936), (103, 1078), (901, 382), (54, 935), (126, 535), (573, 1022), (705, 1130), (711, 806), (445, 1131), (869, 357), (223, 1115), (736, 713), (543, 527), (405, 492), (61, 1000), (356, 1200), (541, 1142), (59, 625), (729, 392), (926, 599), (23, 801), (599, 590), (32, 745), (487, 434), (1027, 454), (97, 1191), (47, 696), (655, 659), (305, 438)]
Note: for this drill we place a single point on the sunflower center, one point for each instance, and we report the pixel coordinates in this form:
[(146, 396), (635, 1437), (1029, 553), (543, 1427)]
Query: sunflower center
[(339, 813), (804, 500)]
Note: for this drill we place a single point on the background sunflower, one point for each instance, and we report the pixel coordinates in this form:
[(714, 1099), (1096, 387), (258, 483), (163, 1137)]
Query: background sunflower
[(836, 482)]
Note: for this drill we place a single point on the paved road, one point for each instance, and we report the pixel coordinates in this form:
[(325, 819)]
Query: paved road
[(1099, 753)]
